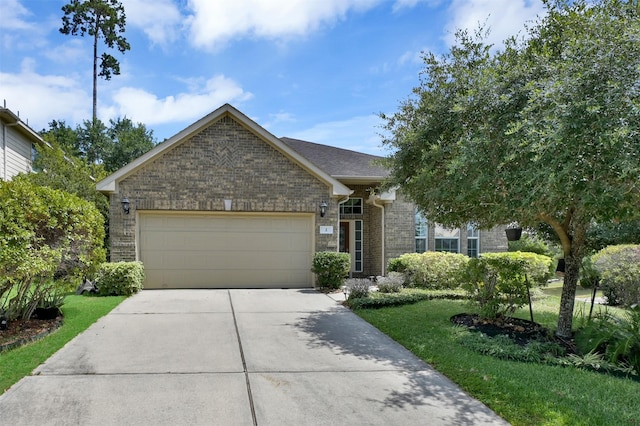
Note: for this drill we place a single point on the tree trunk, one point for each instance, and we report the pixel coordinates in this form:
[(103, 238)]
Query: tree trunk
[(567, 300)]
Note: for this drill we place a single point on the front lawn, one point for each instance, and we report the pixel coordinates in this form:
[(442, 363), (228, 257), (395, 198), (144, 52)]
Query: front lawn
[(522, 393), (79, 313)]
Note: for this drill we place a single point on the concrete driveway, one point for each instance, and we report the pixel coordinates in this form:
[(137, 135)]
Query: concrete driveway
[(236, 357)]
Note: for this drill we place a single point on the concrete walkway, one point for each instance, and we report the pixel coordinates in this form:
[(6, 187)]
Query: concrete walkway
[(236, 357)]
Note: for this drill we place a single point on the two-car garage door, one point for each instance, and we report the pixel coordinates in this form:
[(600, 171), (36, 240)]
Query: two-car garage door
[(226, 250)]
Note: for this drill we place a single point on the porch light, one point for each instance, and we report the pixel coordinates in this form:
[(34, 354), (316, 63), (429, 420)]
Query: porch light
[(125, 205), (323, 209)]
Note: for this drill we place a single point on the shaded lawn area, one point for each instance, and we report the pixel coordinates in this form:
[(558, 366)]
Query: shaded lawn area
[(79, 313), (522, 393)]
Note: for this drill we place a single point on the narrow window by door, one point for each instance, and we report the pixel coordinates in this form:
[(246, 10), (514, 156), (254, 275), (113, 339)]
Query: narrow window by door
[(351, 242)]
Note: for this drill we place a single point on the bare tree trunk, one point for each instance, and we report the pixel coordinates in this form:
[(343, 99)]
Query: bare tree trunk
[(95, 77), (573, 255), (567, 300)]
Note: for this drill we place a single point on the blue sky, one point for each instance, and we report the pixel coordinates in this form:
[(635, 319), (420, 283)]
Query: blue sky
[(318, 70)]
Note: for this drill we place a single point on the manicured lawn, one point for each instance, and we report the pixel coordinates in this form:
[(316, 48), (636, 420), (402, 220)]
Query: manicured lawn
[(79, 313), (522, 393)]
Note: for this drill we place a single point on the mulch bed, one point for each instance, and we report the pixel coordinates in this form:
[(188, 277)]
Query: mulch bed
[(20, 332), (521, 331)]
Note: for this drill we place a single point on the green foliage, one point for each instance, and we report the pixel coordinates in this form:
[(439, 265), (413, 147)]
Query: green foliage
[(503, 347), (617, 339), (544, 130), (331, 268), (532, 244), (434, 270), (120, 278), (497, 282), (128, 141), (619, 270), (601, 235), (405, 297), (357, 288), (44, 233), (589, 275)]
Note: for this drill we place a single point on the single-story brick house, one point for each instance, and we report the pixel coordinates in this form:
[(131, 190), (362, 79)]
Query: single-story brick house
[(226, 204), (17, 141)]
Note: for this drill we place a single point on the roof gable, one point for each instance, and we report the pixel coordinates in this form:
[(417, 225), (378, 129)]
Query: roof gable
[(110, 184)]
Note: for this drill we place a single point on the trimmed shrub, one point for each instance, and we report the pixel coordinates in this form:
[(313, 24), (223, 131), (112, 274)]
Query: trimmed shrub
[(531, 244), (120, 278), (48, 240), (331, 268), (358, 288), (432, 269), (497, 282), (619, 269), (392, 283)]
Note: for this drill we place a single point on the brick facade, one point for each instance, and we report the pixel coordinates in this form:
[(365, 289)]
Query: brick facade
[(224, 161)]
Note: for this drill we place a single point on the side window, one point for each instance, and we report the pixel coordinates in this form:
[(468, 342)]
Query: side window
[(473, 241), (447, 239), (421, 232)]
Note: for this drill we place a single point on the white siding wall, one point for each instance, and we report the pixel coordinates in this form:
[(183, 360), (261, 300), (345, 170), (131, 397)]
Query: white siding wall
[(16, 157)]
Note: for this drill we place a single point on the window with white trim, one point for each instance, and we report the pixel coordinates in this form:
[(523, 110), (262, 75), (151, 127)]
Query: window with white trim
[(351, 206), (421, 232), (473, 241), (447, 239), (357, 252)]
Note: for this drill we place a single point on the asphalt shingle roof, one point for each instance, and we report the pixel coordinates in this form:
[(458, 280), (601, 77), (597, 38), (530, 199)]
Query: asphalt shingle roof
[(338, 162)]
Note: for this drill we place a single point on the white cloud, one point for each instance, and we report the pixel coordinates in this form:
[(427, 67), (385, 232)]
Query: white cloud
[(212, 23), (505, 18), (359, 134), (159, 19), (146, 107), (42, 98), (14, 15)]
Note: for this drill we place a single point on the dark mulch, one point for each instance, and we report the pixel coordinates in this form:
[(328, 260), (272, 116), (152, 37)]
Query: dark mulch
[(521, 331), (20, 332)]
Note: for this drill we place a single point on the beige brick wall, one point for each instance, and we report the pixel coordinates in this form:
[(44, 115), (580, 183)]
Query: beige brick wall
[(223, 161)]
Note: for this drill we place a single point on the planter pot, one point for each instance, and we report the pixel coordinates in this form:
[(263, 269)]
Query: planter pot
[(513, 234), (560, 267)]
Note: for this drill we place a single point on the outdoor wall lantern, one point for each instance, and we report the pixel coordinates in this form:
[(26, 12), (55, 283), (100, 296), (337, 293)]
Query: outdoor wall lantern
[(125, 205), (323, 209)]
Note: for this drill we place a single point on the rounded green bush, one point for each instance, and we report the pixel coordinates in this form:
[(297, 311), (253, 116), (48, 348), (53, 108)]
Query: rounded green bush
[(331, 268), (432, 269), (619, 269)]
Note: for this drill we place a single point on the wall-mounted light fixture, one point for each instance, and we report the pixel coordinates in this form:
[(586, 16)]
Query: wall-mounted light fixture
[(323, 209), (126, 205)]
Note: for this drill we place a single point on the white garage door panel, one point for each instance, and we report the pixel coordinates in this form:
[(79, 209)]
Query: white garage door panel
[(223, 251)]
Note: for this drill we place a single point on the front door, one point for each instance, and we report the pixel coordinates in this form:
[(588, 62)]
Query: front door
[(345, 236)]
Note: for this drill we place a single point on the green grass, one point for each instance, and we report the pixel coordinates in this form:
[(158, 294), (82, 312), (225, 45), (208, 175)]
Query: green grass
[(522, 393), (79, 313)]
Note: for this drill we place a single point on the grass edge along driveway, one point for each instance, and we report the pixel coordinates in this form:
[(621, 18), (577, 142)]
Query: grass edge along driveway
[(79, 313), (522, 393)]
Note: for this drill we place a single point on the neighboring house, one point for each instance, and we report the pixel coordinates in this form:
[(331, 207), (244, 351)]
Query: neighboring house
[(17, 141), (226, 204)]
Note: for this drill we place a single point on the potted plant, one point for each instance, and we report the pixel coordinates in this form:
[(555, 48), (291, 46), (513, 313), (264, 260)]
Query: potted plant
[(513, 231)]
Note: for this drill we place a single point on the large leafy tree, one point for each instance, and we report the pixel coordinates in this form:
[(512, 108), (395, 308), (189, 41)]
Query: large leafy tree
[(547, 130), (128, 141), (100, 19)]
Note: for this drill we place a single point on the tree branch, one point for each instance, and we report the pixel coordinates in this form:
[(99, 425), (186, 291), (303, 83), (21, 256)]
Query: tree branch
[(561, 229)]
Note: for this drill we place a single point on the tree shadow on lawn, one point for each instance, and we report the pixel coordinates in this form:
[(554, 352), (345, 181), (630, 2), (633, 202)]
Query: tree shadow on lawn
[(349, 335)]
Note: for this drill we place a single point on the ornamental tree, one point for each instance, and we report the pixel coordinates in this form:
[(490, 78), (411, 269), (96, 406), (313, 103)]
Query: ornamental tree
[(546, 130)]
